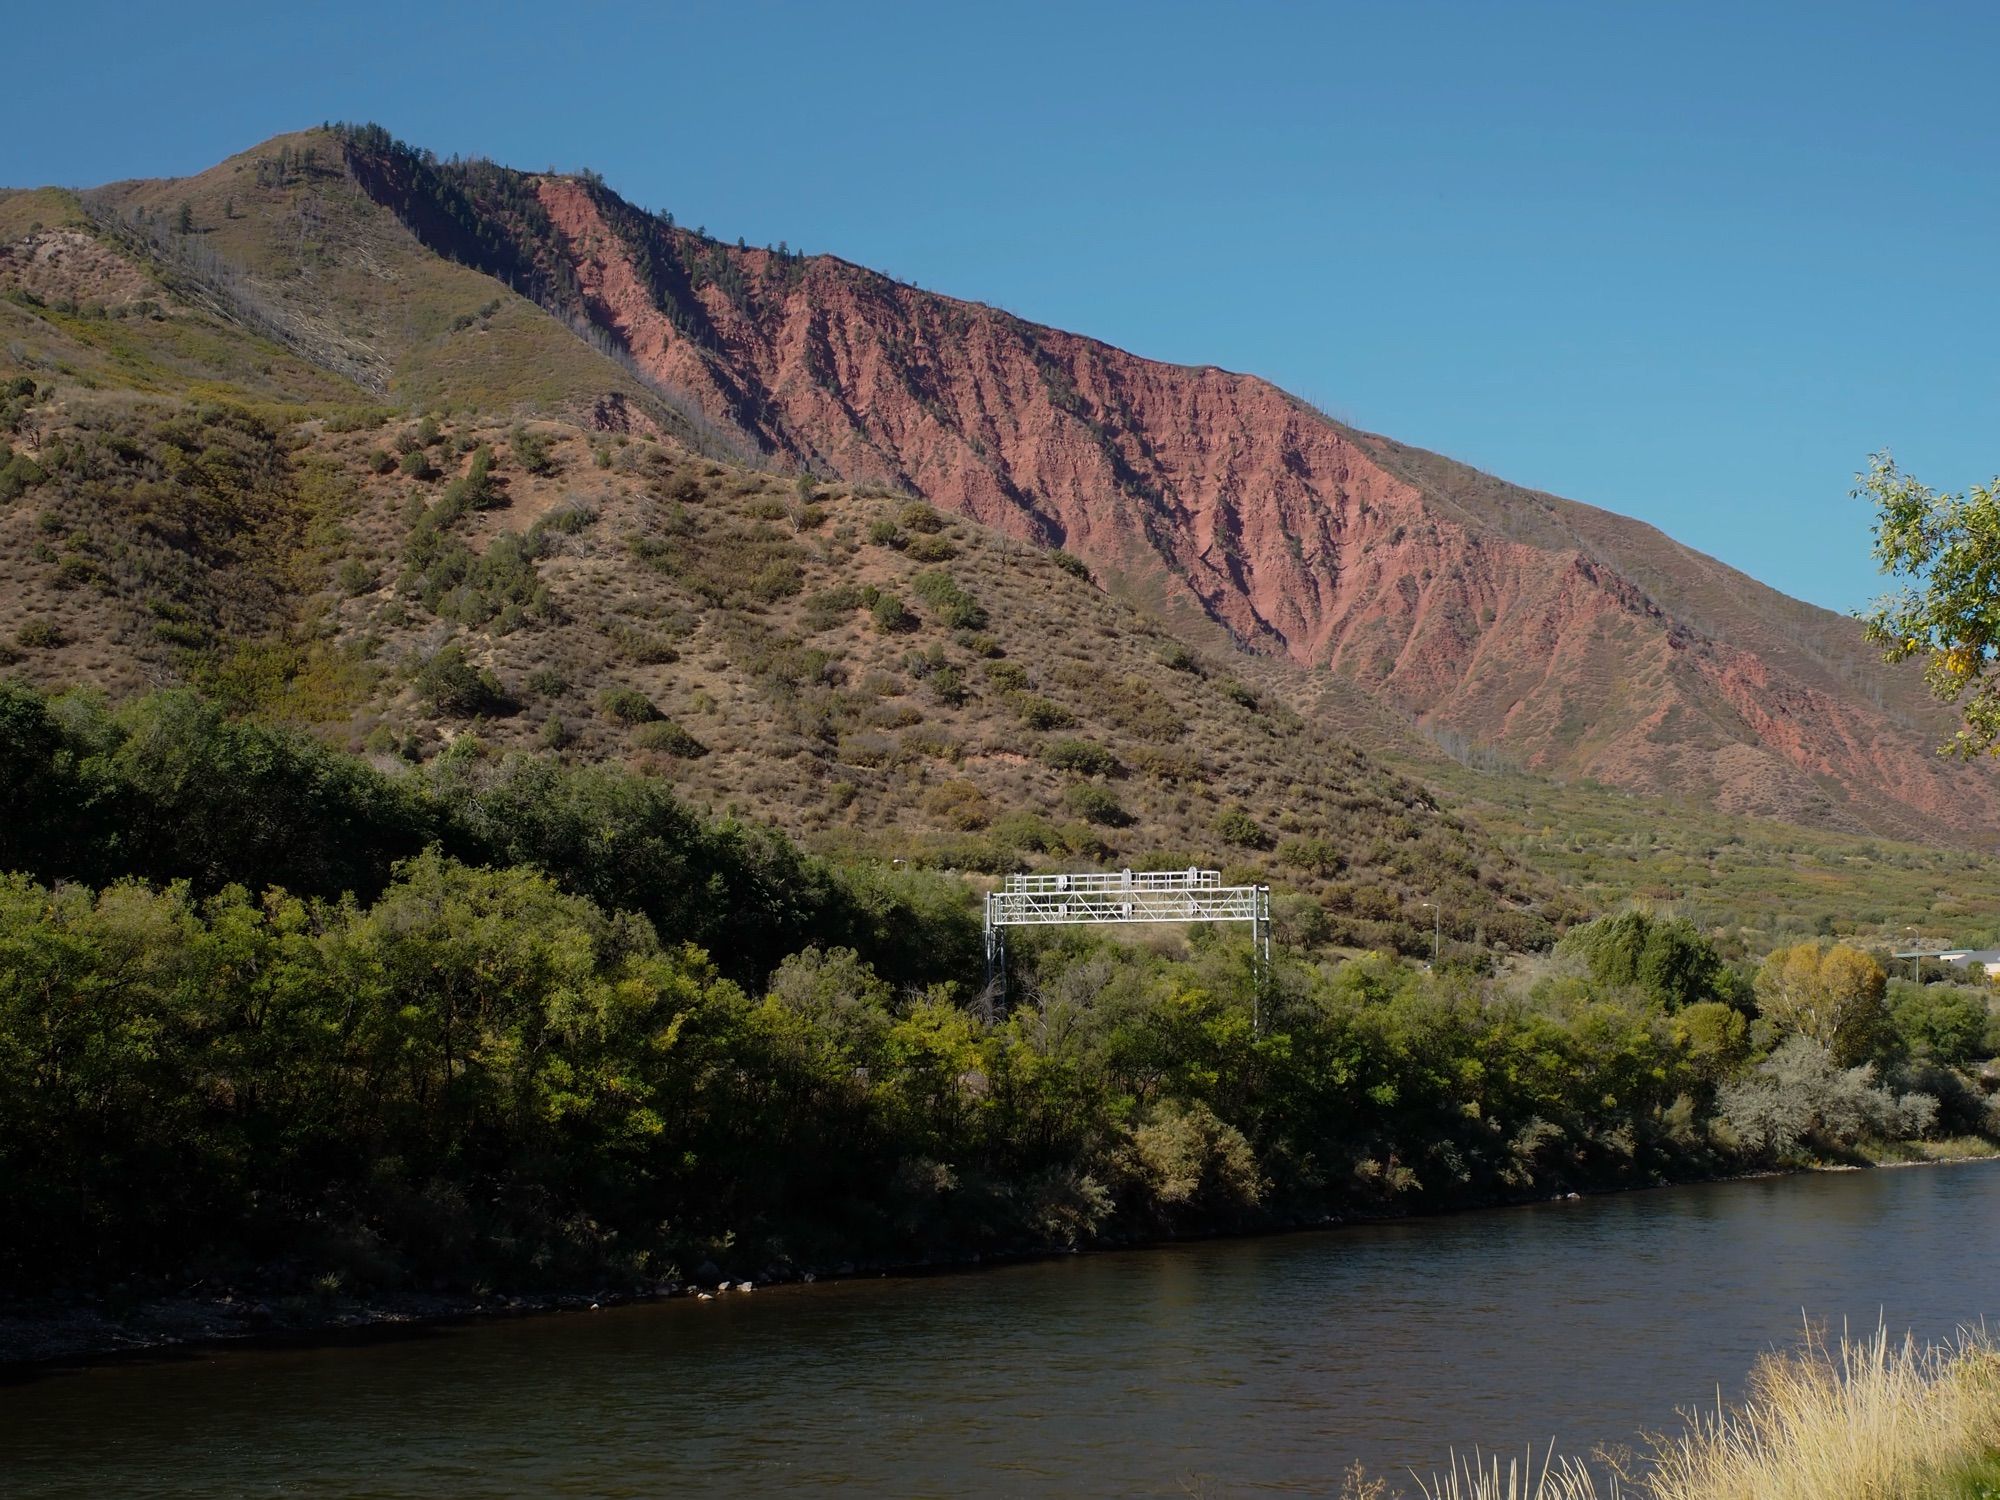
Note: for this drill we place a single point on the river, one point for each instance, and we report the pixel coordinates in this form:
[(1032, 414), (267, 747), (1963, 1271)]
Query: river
[(1226, 1367)]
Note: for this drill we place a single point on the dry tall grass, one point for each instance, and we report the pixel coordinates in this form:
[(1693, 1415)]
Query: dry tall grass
[(1494, 1478), (1860, 1419)]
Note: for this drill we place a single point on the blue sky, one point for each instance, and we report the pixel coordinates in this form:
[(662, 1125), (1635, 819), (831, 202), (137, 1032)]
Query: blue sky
[(1692, 262)]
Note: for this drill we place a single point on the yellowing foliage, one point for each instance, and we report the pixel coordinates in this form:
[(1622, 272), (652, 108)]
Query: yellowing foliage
[(1832, 994)]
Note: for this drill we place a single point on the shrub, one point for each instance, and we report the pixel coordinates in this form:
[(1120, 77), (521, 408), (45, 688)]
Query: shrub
[(829, 607), (627, 706), (18, 475), (642, 647), (1042, 713), (1170, 766), (1081, 757), (865, 749), (457, 689), (774, 581), (1316, 856), (890, 615), (1026, 830), (885, 533), (954, 606), (1188, 1158), (531, 450), (668, 738), (1070, 563), (931, 549), (959, 804), (929, 742), (1236, 826), (417, 465), (947, 685), (187, 634), (381, 461), (568, 519), (547, 682), (40, 635), (1800, 1093), (354, 577), (918, 516), (1095, 804)]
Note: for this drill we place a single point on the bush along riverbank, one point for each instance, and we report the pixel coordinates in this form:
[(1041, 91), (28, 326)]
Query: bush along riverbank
[(280, 1031)]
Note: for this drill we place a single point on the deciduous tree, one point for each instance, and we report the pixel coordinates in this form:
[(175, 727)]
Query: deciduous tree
[(1947, 548), (1832, 995)]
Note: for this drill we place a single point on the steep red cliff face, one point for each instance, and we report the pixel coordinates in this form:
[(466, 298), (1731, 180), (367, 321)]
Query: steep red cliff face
[(1577, 642)]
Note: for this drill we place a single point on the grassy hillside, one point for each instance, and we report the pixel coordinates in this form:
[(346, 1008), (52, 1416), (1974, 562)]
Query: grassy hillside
[(848, 665), (1754, 882)]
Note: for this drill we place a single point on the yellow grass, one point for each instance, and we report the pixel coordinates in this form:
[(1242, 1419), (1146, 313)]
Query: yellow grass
[(1861, 1419)]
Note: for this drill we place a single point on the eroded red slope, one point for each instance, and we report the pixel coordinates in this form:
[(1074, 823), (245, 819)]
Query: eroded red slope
[(1501, 615)]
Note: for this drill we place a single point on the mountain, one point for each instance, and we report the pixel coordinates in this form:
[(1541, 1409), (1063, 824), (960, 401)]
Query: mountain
[(1571, 641), (437, 454), (267, 443)]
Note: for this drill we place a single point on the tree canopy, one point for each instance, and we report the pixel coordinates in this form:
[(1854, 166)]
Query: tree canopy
[(1833, 995), (1665, 958), (1947, 548)]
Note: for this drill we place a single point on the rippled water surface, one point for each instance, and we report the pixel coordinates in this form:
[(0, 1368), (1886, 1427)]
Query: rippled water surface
[(1236, 1367)]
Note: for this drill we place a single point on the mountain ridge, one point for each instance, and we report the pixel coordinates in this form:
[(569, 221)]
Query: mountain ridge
[(1580, 645), (1562, 638)]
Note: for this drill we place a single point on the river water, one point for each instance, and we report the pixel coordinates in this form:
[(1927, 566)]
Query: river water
[(1229, 1367)]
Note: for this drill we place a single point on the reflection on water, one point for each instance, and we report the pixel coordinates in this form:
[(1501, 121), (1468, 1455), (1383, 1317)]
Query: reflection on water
[(1252, 1366)]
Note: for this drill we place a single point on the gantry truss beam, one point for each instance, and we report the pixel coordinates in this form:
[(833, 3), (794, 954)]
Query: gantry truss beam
[(1123, 896)]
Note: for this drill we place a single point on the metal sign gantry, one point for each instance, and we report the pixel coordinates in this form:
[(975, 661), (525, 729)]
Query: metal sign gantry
[(1124, 896)]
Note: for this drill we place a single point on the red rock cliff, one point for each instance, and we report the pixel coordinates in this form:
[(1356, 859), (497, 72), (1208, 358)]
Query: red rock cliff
[(1577, 642)]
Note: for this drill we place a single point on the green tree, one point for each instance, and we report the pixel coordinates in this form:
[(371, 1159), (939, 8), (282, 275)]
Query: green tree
[(1669, 960), (1713, 1038), (1944, 1023), (1947, 549), (457, 688)]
